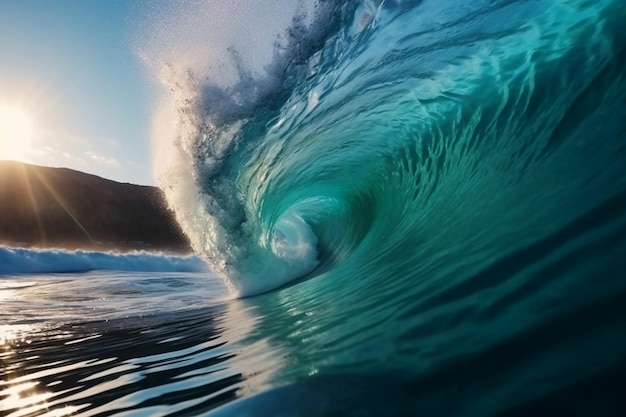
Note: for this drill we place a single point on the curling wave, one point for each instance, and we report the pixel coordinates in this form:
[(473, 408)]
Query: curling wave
[(389, 138)]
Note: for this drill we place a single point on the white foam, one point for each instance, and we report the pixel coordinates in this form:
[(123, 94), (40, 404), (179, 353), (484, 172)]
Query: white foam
[(24, 261), (216, 70), (290, 253)]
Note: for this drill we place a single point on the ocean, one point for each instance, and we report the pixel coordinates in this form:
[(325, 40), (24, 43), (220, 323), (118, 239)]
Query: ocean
[(398, 208)]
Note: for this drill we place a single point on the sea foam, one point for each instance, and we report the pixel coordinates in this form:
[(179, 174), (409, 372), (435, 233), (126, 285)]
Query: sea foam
[(29, 261), (217, 77)]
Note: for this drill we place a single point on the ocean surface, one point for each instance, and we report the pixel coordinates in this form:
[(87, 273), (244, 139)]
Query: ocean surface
[(398, 208)]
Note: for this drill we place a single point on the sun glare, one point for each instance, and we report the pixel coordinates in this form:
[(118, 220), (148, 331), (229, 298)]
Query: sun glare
[(16, 132)]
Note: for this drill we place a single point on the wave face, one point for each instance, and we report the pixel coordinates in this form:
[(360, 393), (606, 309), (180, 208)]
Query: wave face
[(402, 145), (30, 261)]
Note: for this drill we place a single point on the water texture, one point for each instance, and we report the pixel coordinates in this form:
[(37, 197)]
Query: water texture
[(419, 205)]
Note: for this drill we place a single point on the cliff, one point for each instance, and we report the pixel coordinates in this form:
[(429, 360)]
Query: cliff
[(59, 207)]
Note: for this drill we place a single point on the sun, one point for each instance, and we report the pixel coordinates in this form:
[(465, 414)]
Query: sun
[(16, 132)]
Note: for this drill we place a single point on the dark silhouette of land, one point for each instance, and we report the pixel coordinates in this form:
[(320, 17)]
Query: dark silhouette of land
[(63, 208)]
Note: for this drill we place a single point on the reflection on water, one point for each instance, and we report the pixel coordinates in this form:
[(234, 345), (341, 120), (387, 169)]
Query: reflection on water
[(100, 295), (313, 350), (176, 365)]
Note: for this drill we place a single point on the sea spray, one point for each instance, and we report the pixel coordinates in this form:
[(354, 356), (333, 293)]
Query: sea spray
[(201, 125)]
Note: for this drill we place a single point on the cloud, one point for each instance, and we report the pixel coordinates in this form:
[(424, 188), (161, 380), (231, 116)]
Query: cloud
[(101, 158), (56, 148)]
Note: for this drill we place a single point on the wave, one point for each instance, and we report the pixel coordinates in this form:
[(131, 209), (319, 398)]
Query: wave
[(386, 138), (29, 261)]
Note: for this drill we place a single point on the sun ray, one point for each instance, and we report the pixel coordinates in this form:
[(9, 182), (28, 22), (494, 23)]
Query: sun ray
[(27, 177), (33, 201), (61, 202)]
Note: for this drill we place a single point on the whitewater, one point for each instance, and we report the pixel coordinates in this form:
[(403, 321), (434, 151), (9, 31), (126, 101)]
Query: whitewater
[(397, 208)]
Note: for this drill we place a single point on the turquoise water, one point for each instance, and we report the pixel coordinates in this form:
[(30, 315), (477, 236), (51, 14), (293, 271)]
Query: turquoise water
[(417, 208)]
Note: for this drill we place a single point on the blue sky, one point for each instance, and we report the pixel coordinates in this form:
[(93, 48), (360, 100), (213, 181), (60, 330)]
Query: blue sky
[(73, 91)]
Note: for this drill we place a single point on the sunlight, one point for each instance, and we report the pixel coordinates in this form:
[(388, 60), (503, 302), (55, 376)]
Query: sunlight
[(16, 132)]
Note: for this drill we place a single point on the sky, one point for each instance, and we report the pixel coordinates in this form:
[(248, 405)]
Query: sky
[(81, 81), (73, 91)]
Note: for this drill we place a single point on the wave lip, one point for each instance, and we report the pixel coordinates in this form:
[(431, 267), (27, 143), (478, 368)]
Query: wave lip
[(216, 111), (29, 261)]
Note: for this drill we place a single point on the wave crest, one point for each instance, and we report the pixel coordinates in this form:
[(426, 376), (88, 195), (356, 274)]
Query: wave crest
[(368, 127)]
